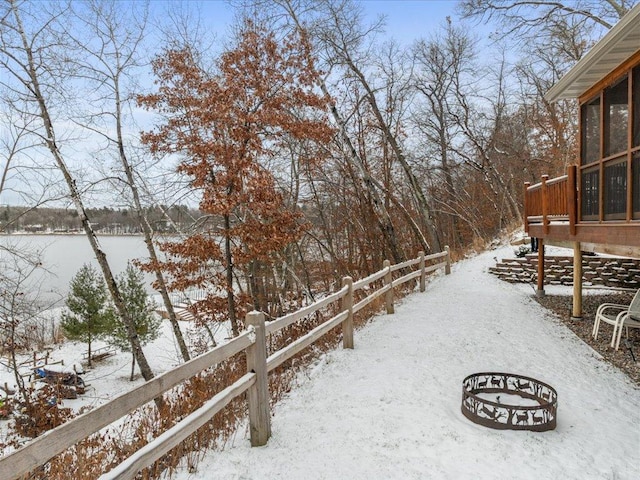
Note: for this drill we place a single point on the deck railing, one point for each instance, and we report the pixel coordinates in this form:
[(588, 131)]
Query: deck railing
[(552, 200), (39, 451)]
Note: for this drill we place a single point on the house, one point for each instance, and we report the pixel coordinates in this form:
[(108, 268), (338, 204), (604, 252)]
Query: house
[(596, 205), (35, 228)]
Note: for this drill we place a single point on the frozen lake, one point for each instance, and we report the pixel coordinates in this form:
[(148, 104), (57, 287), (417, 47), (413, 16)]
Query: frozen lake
[(63, 255)]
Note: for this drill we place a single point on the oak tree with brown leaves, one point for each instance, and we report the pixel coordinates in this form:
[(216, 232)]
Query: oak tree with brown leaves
[(227, 126)]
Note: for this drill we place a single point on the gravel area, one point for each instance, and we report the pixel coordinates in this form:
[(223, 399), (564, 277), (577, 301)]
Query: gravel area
[(627, 358)]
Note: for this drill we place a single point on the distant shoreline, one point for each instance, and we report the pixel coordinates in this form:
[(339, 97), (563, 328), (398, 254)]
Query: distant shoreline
[(74, 234)]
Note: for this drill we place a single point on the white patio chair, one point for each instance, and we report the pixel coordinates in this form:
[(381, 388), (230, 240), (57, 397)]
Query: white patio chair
[(620, 316)]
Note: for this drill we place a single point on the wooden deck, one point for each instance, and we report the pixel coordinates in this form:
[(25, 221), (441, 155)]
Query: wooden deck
[(182, 312), (552, 213)]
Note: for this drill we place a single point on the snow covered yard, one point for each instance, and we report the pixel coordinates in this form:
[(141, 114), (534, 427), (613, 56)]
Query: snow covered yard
[(390, 409)]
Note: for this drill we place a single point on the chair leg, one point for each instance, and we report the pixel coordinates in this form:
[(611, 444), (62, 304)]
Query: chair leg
[(618, 338), (626, 332), (619, 327), (594, 332)]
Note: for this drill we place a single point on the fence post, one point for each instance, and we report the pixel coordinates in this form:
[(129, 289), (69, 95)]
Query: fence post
[(258, 394), (388, 280), (347, 304), (423, 274), (447, 267)]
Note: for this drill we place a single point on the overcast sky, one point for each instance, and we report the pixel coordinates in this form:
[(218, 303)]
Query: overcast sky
[(405, 21)]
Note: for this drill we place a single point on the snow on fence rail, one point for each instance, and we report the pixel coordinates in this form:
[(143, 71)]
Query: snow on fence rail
[(253, 341)]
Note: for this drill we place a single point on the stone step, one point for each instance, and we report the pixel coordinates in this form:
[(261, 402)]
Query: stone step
[(559, 270)]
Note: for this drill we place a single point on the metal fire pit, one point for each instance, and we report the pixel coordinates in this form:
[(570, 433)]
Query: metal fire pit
[(503, 414)]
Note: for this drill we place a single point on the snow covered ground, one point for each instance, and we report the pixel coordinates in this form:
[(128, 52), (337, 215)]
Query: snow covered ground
[(390, 409), (109, 377)]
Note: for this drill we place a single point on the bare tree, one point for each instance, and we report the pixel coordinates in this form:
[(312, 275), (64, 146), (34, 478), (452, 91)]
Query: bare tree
[(443, 66), (483, 132), (312, 17), (19, 305), (552, 36), (342, 36), (30, 41), (530, 16), (552, 127), (110, 69)]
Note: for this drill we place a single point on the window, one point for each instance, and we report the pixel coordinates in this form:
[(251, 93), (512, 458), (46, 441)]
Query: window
[(590, 198), (610, 150), (616, 117), (615, 190), (591, 131)]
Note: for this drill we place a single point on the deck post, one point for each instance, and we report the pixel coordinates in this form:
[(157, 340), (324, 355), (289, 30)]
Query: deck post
[(388, 280), (526, 207), (577, 282), (423, 274), (540, 290), (258, 393), (545, 203), (347, 304), (447, 267), (572, 201)]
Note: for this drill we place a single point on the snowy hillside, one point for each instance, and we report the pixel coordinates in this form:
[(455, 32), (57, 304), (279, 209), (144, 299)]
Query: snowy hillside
[(391, 408)]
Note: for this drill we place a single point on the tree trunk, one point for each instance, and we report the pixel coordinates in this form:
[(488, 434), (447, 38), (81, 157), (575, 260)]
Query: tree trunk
[(14, 363), (253, 286), (231, 302), (33, 85), (421, 199), (89, 352), (385, 222), (148, 233), (211, 335)]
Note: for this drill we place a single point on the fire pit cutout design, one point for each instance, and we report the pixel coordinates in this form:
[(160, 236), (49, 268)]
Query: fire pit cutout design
[(526, 403)]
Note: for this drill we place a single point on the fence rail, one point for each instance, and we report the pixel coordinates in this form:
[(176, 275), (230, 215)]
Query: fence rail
[(254, 383)]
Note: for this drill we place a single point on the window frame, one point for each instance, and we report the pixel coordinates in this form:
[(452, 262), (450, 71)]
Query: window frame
[(627, 72)]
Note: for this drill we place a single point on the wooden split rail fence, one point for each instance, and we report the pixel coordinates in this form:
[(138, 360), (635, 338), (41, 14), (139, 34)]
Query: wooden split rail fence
[(254, 383)]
